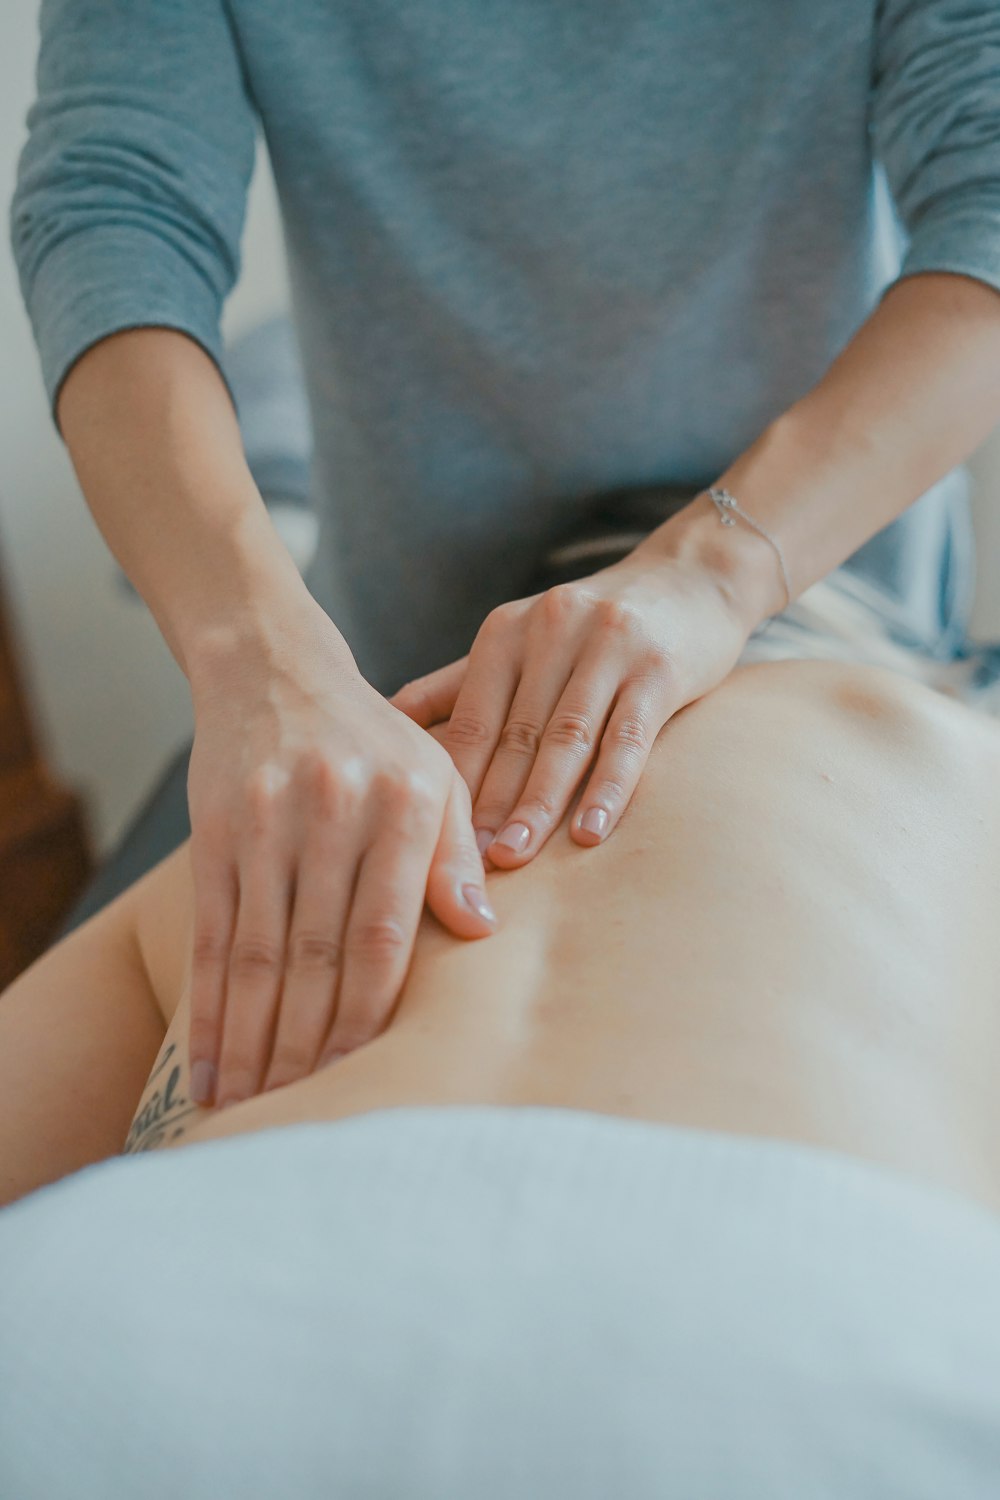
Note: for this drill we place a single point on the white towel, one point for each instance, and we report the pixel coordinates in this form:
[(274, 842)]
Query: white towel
[(498, 1304)]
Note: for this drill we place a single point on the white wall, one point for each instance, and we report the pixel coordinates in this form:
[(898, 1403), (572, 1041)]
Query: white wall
[(110, 703), (986, 511)]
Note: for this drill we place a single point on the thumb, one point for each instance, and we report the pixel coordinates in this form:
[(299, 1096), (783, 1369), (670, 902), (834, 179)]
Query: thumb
[(456, 883), (429, 700)]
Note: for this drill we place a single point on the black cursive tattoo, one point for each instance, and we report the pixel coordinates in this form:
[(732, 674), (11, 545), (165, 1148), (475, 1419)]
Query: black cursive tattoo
[(161, 1113)]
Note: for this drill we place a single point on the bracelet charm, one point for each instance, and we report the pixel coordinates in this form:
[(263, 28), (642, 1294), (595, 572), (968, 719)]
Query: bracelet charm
[(726, 503)]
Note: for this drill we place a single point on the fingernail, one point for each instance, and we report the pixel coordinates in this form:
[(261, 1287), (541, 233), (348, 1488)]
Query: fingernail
[(475, 897), (594, 820), (483, 839), (334, 1055), (515, 836), (202, 1082)]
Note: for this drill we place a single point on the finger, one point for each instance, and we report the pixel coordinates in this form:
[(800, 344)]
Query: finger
[(638, 716), (542, 685), (215, 899), (253, 980), (456, 887), (480, 711), (384, 916), (314, 960), (568, 745), (378, 942), (430, 699)]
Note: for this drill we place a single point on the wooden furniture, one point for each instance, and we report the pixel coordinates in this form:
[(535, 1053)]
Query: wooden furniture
[(45, 855)]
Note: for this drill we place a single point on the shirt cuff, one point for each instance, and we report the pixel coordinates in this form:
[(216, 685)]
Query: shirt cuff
[(959, 234), (103, 279)]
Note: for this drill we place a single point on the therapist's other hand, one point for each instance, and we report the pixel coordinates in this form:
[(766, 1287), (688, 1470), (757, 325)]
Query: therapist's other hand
[(578, 679), (321, 819)]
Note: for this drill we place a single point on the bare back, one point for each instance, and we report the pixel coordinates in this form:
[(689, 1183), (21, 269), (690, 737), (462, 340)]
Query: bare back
[(793, 933)]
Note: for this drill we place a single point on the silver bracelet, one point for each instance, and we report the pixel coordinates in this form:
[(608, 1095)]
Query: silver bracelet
[(725, 503)]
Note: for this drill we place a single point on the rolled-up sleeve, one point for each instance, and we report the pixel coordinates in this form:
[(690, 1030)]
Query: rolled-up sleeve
[(936, 129), (131, 187)]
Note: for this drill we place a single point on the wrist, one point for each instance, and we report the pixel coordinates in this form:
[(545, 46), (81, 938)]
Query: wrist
[(740, 564), (277, 637), (263, 619)]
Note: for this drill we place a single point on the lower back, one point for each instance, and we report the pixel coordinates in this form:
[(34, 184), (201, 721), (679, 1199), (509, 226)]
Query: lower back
[(790, 934)]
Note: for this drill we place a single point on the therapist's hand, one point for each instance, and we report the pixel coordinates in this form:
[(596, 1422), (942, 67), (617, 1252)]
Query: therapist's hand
[(321, 817), (577, 681)]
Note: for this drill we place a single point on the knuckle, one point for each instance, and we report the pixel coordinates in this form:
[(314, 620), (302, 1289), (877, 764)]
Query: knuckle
[(468, 729), (499, 619), (543, 804), (334, 797), (630, 734), (292, 1057), (609, 792), (490, 813), (209, 836), (378, 939), (573, 730), (406, 792), (209, 949), (239, 1060), (521, 736), (560, 601), (262, 791), (237, 1080), (620, 619), (356, 1034), (407, 695), (419, 788), (203, 1035), (659, 665), (318, 778), (313, 952), (255, 955)]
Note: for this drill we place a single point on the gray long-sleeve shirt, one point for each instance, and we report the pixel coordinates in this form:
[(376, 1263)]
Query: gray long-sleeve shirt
[(537, 249)]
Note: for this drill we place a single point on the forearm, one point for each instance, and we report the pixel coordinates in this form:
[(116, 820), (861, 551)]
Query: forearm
[(157, 449), (913, 393)]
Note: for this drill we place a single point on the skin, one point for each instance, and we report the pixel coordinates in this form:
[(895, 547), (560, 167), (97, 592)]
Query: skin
[(793, 936), (549, 697), (290, 742)]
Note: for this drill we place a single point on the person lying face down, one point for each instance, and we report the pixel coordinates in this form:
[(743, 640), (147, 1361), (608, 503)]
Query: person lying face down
[(687, 1181), (792, 935)]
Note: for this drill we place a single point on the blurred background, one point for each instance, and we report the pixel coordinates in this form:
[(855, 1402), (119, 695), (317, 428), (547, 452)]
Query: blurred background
[(109, 701), (107, 705)]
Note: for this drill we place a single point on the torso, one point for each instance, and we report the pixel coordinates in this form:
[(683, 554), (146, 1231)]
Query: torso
[(528, 264), (792, 933)]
